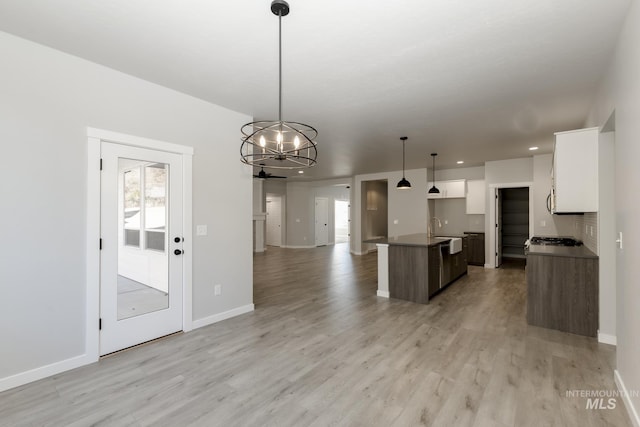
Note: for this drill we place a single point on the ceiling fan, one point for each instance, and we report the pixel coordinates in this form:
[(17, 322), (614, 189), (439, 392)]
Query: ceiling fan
[(264, 175)]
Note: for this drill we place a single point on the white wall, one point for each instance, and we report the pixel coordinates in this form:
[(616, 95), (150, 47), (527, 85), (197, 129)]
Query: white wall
[(47, 101), (620, 91), (606, 236), (299, 197), (407, 208)]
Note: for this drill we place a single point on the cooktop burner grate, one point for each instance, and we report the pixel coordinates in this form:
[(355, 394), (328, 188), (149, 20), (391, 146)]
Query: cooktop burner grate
[(555, 241)]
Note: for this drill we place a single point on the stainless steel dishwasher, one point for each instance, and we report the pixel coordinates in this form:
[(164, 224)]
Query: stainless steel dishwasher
[(445, 264)]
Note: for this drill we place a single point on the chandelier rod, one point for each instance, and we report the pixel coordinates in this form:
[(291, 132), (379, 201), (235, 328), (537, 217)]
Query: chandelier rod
[(280, 66)]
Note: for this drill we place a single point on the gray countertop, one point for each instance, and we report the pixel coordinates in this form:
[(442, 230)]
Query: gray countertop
[(564, 251), (418, 239)]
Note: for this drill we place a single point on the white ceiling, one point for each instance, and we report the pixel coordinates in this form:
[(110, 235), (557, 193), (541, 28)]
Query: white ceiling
[(472, 80)]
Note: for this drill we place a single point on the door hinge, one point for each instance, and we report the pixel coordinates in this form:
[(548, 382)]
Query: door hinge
[(496, 253), (100, 244), (496, 225), (100, 324), (100, 164)]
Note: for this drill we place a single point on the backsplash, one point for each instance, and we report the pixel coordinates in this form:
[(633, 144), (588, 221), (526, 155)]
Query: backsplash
[(589, 230)]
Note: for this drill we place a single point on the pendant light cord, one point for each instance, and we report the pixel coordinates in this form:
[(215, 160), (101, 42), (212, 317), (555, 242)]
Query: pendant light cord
[(403, 159), (280, 67)]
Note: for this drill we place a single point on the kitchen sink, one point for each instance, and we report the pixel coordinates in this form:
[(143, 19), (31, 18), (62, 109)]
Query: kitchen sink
[(455, 244)]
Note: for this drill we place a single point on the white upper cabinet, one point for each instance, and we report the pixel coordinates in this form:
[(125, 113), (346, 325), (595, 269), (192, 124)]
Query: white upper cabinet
[(454, 189), (476, 197), (575, 171)]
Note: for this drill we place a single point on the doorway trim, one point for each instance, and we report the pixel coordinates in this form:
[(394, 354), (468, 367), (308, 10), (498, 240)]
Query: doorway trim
[(492, 215), (94, 139)]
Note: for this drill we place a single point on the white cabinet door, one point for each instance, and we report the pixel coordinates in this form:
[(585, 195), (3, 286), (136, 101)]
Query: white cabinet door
[(455, 189), (476, 197), (452, 189), (575, 171)]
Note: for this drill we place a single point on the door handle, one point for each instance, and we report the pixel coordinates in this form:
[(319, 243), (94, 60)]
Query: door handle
[(178, 252)]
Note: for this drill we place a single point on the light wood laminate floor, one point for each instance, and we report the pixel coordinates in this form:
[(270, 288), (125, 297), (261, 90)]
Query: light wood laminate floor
[(321, 349)]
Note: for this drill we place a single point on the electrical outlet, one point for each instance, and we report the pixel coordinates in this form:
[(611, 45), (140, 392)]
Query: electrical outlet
[(591, 230), (395, 221), (446, 222), (201, 230), (543, 223), (217, 290)]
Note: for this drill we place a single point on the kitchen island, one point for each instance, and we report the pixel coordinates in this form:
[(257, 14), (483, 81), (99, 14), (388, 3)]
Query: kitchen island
[(415, 267)]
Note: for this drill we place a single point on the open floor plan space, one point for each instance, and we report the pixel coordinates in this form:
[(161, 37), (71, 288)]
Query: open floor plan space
[(322, 349)]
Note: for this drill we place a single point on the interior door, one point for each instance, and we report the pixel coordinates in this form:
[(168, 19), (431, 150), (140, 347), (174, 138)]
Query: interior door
[(141, 238), (498, 199), (274, 221), (322, 221)]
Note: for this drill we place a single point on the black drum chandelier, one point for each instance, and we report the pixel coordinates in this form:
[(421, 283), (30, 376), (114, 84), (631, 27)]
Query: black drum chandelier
[(279, 144)]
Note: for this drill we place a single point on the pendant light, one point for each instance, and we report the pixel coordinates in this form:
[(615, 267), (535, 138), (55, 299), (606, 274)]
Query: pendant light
[(279, 144), (433, 189), (403, 184)]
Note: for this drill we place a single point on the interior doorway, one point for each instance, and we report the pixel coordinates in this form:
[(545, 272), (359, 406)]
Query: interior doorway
[(512, 224), (375, 211), (274, 220), (341, 221)]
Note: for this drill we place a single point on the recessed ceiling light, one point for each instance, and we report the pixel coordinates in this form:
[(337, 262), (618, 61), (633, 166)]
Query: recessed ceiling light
[(533, 148), (300, 171), (460, 162)]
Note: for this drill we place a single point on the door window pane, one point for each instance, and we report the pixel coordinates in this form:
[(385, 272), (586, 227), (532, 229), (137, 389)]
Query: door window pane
[(132, 207), (143, 261), (155, 194)]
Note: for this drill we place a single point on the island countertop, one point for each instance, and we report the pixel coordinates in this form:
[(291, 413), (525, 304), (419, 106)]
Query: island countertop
[(418, 239)]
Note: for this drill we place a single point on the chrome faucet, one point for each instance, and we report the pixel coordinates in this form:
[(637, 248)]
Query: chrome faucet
[(430, 228)]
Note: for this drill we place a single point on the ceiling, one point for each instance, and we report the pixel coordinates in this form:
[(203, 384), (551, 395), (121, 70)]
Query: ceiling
[(473, 81)]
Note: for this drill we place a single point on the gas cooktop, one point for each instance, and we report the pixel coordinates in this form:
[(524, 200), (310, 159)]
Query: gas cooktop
[(555, 241)]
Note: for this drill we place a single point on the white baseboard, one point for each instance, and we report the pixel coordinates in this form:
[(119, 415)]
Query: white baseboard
[(77, 361), (488, 266), (298, 247), (631, 410), (358, 253), (607, 338), (223, 316), (383, 294), (44, 371)]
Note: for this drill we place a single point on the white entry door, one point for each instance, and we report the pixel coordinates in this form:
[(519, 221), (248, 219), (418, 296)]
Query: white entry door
[(141, 239), (274, 221), (322, 221)]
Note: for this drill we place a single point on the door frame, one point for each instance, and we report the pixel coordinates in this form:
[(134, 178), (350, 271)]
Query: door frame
[(94, 139), (491, 232)]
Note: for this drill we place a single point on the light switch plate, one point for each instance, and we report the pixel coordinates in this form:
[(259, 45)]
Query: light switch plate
[(201, 230)]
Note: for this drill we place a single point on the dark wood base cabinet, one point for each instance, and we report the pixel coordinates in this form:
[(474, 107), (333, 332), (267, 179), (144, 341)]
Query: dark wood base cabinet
[(475, 253), (562, 293)]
